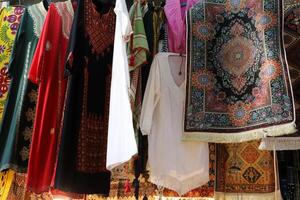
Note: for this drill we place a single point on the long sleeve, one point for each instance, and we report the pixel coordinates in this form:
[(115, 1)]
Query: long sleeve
[(151, 98)]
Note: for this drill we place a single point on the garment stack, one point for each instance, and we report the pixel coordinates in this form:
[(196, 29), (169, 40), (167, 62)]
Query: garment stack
[(165, 99)]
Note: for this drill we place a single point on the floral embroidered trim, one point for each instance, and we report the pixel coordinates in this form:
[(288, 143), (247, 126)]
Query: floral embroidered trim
[(103, 37), (38, 14), (65, 10)]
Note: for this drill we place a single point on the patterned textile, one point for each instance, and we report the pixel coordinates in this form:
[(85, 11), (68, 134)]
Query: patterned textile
[(26, 125), (119, 190), (6, 178), (242, 168), (92, 142), (238, 87), (18, 191), (81, 165), (17, 125), (289, 161), (138, 45), (99, 38), (137, 50), (10, 19), (292, 47)]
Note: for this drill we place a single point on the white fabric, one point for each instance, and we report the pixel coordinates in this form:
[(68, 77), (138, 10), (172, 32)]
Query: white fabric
[(177, 165), (121, 139), (280, 143)]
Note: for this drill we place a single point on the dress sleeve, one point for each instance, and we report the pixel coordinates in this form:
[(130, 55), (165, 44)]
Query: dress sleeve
[(35, 71), (18, 48), (151, 98)]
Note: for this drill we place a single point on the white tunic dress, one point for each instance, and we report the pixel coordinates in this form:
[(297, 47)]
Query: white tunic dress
[(177, 165), (121, 144)]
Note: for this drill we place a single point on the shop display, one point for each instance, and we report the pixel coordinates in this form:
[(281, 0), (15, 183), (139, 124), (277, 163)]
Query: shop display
[(150, 100)]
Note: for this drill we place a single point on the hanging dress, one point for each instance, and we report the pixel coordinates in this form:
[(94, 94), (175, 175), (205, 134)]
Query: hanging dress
[(9, 23), (121, 145), (175, 11), (23, 50), (81, 164), (10, 18), (173, 164), (47, 71)]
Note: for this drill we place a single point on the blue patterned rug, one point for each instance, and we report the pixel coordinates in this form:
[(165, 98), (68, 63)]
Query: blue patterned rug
[(238, 84)]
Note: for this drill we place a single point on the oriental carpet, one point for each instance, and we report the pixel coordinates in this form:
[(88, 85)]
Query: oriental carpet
[(238, 85)]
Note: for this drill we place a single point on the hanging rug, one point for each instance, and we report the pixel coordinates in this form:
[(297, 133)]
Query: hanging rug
[(292, 47), (238, 84)]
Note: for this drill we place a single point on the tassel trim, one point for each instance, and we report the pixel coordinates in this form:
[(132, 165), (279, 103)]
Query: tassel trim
[(183, 186), (245, 136), (280, 143)]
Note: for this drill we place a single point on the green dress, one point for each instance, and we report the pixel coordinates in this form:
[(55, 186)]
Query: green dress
[(16, 127)]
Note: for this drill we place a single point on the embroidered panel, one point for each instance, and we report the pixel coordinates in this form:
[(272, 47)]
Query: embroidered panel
[(243, 168), (100, 38), (26, 126), (38, 13), (65, 9), (238, 86), (92, 141)]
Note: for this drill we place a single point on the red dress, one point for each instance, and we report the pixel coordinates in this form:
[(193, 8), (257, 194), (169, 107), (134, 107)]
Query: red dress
[(47, 71)]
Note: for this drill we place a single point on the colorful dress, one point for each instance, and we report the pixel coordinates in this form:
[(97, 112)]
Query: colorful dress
[(16, 152), (47, 71), (9, 23), (176, 16), (81, 166)]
